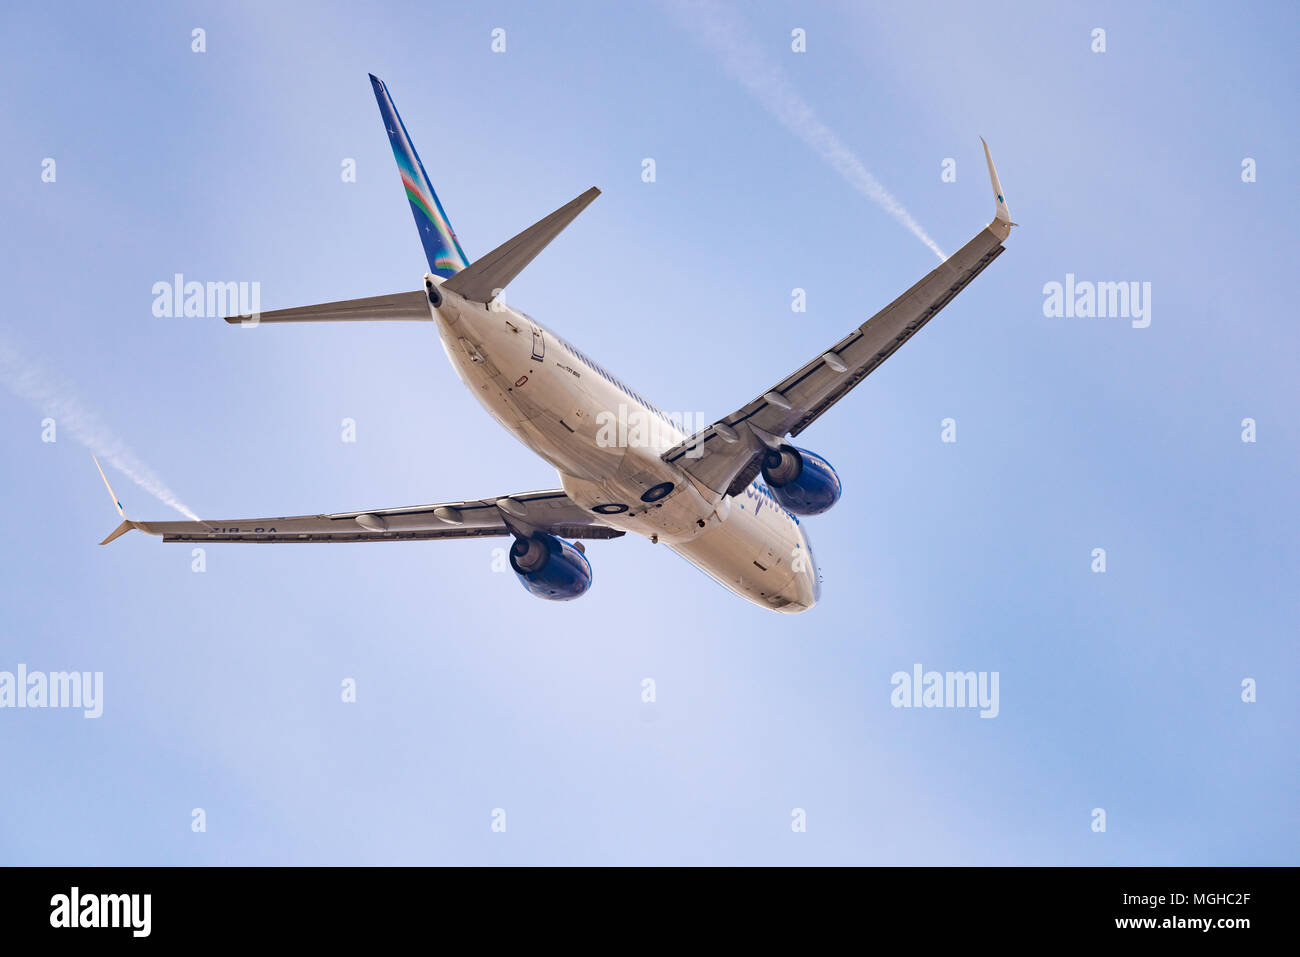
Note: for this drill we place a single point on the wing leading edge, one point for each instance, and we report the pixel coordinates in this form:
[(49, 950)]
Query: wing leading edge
[(726, 456)]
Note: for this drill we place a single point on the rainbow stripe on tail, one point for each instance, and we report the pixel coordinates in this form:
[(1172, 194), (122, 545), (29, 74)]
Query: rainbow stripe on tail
[(441, 247)]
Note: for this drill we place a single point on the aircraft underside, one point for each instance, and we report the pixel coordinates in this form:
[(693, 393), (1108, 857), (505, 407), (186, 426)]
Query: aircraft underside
[(727, 496), (501, 356)]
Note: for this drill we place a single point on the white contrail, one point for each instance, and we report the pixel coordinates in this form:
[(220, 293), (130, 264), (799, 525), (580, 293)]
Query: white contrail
[(745, 60), (54, 399)]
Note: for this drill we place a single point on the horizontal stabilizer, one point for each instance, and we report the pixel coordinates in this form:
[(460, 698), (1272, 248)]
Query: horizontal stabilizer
[(408, 306), (484, 278)]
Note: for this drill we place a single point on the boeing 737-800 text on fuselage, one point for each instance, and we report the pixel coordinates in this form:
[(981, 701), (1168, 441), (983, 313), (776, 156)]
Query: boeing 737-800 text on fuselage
[(727, 498)]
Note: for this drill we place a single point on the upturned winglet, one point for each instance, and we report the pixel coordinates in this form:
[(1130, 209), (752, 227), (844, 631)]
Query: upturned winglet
[(1001, 216), (127, 524)]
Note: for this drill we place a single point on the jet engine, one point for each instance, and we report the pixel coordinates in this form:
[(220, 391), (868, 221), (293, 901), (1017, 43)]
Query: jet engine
[(802, 481), (550, 567)]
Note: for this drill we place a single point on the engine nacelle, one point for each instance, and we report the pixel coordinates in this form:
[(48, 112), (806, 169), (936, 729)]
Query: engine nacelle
[(802, 481), (550, 567)]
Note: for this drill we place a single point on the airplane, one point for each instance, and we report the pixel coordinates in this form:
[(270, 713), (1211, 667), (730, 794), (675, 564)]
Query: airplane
[(728, 498)]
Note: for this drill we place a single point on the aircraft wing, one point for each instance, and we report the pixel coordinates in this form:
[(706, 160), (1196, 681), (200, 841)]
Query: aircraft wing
[(727, 455), (548, 511)]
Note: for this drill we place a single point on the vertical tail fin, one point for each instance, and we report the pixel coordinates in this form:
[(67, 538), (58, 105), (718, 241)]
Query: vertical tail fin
[(441, 247)]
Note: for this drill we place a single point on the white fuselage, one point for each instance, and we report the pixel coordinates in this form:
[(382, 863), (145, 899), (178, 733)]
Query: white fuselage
[(606, 442)]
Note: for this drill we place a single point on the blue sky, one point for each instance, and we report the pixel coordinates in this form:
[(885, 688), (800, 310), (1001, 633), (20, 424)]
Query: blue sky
[(1119, 691)]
